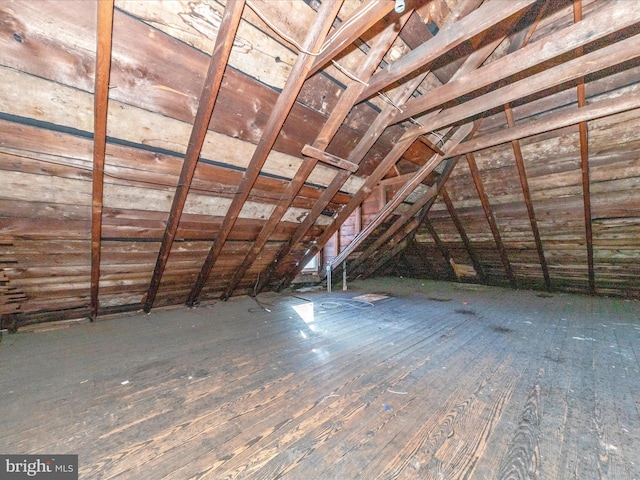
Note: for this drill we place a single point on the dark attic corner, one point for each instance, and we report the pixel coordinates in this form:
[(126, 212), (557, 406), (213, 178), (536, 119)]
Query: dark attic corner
[(310, 239)]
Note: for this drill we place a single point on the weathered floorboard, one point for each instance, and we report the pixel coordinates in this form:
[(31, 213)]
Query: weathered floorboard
[(439, 380)]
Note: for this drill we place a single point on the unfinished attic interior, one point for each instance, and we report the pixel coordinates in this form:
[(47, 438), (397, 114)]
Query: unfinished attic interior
[(469, 170)]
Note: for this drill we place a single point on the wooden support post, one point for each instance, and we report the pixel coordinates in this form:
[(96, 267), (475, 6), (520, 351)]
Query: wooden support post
[(100, 110)]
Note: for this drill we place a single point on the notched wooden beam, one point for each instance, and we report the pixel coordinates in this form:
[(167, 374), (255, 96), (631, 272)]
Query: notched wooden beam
[(321, 155)]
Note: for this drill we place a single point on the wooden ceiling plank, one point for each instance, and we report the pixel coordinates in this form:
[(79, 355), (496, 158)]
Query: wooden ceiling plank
[(485, 17), (608, 21), (220, 55), (326, 15), (363, 18), (101, 102), (584, 164), (488, 211), (402, 194), (565, 118), (605, 57), (522, 173), (471, 251)]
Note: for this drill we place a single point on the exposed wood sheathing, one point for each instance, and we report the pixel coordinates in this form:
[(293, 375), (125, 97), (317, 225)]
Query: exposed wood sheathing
[(535, 104)]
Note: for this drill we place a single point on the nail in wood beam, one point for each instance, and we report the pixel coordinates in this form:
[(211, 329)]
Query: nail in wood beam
[(484, 18), (477, 180), (584, 163), (100, 108), (522, 173), (224, 41), (326, 14), (462, 232)]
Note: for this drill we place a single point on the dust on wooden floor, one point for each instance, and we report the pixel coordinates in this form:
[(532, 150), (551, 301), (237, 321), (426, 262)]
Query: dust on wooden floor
[(435, 381)]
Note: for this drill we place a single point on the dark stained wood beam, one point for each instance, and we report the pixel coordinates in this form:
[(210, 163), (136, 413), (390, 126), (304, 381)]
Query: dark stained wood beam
[(606, 22), (365, 16), (100, 108), (402, 194), (366, 142), (565, 118), (326, 15), (380, 45), (281, 208), (480, 20), (502, 251), (584, 163), (600, 59), (408, 222), (220, 56), (399, 97), (431, 145), (471, 251), (321, 155), (522, 173)]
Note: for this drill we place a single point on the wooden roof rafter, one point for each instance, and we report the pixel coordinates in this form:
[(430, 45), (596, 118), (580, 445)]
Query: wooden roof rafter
[(411, 220), (101, 104), (488, 211), (213, 81), (526, 192), (595, 61), (418, 177), (471, 251), (381, 44), (607, 22), (584, 164), (315, 38), (366, 142), (473, 24)]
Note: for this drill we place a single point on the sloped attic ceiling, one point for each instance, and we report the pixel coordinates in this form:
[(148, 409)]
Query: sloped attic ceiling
[(488, 141)]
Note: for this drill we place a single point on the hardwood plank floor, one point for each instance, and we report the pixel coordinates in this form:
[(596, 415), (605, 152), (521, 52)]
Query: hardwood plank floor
[(436, 381)]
